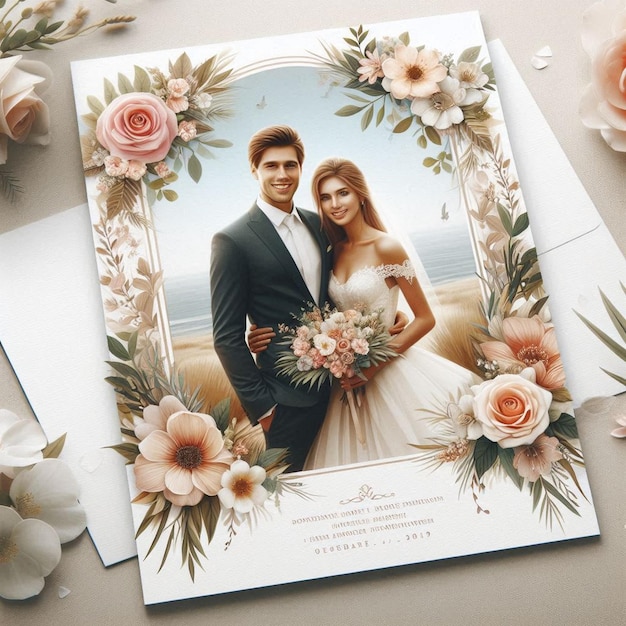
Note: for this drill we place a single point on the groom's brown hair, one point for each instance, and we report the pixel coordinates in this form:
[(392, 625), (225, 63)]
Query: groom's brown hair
[(271, 137)]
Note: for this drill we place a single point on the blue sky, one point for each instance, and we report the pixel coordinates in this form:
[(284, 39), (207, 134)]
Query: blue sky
[(408, 195)]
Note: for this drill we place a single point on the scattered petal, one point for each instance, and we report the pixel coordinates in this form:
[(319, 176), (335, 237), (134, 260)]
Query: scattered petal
[(64, 592), (538, 63), (546, 51), (90, 461)]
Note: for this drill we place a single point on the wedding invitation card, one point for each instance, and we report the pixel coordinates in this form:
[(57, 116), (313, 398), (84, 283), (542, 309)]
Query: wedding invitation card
[(465, 443)]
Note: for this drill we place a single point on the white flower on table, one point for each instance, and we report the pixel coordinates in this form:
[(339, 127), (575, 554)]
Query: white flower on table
[(29, 550), (49, 492), (21, 442)]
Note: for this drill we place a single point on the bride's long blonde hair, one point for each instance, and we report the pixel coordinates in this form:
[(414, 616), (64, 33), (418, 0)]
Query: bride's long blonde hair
[(353, 177)]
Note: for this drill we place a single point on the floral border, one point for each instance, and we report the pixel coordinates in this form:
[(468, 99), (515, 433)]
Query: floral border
[(515, 345)]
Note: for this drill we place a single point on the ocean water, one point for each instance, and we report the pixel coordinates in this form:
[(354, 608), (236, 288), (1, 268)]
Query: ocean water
[(446, 257)]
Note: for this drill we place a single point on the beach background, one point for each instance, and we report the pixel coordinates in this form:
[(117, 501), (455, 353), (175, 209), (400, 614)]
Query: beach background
[(454, 294)]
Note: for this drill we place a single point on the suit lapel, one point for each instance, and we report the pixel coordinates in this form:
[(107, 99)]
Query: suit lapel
[(268, 236)]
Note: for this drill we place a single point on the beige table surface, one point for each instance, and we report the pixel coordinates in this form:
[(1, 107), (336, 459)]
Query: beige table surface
[(581, 582)]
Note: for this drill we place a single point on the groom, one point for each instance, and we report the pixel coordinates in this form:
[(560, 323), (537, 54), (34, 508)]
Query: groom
[(266, 266)]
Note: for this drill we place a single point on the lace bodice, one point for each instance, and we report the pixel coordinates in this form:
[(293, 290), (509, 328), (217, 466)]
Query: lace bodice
[(367, 288)]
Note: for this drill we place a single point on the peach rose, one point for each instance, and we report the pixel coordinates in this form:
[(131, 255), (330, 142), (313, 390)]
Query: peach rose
[(511, 409), (24, 115), (137, 126), (603, 103)]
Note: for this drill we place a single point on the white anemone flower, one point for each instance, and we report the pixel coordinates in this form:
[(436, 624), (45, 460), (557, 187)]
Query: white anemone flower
[(29, 550), (21, 442), (241, 487), (441, 109), (49, 492)]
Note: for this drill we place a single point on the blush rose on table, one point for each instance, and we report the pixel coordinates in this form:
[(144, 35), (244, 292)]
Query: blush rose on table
[(603, 103)]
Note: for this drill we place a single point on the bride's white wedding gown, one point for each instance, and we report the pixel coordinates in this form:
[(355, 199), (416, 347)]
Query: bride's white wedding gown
[(393, 411)]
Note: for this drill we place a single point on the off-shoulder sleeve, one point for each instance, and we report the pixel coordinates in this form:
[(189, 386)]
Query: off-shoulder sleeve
[(397, 270)]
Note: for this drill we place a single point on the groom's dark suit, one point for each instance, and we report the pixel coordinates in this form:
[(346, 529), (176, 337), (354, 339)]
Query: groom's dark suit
[(253, 275)]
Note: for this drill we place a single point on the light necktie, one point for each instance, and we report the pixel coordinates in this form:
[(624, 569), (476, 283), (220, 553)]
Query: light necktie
[(299, 252)]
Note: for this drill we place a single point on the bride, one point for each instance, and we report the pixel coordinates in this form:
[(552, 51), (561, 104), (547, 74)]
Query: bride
[(370, 269)]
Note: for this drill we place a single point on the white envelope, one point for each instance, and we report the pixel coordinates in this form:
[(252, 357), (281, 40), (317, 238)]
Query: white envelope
[(52, 328)]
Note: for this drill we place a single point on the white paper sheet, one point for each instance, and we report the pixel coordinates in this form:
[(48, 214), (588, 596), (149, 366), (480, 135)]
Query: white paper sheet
[(52, 329)]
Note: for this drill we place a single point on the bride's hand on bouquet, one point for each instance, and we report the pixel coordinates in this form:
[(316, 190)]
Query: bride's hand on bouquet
[(259, 338), (354, 382)]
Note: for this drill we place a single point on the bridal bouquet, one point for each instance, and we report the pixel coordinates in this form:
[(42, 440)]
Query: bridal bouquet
[(328, 344)]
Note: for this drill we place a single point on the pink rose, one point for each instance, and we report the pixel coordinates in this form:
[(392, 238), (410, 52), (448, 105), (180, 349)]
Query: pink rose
[(511, 408), (137, 126), (24, 115), (343, 345), (603, 103)]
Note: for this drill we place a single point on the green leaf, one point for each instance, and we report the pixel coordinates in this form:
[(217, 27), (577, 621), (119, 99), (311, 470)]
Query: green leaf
[(110, 93), (485, 455), (142, 80), (128, 450), (620, 351), (565, 426), (95, 105), (117, 348), (403, 125), (194, 167), (367, 118), (170, 195), (221, 413), (132, 344), (124, 369), (506, 455), (348, 110), (505, 218), (433, 135), (53, 449), (618, 320), (404, 38), (470, 55), (124, 84), (521, 224), (552, 490)]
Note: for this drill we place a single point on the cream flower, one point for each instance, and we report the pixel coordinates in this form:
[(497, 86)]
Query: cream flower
[(412, 73), (371, 67), (536, 459), (185, 461), (21, 442), (49, 492), (603, 103), (155, 416), (472, 79), (324, 343), (512, 409), (441, 110), (24, 116), (29, 550), (242, 488), (528, 342)]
